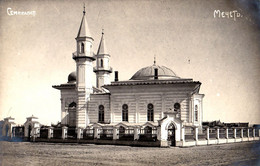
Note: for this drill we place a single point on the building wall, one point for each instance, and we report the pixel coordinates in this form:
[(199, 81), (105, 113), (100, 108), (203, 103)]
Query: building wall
[(162, 97), (93, 107), (67, 97)]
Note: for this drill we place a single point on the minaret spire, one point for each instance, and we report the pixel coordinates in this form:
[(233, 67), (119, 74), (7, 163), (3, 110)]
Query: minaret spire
[(84, 29), (84, 12), (102, 68), (154, 60)]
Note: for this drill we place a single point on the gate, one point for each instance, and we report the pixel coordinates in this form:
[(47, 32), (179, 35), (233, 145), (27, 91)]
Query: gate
[(171, 135)]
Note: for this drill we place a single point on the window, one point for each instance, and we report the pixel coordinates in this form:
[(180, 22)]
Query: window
[(177, 107), (101, 117), (101, 63), (150, 112), (196, 113), (82, 48), (124, 112)]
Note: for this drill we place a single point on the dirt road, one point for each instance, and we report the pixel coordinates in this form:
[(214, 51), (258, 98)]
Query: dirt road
[(25, 153)]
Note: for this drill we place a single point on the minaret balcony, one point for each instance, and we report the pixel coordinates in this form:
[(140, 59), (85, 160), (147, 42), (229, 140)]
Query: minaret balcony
[(76, 55), (107, 69)]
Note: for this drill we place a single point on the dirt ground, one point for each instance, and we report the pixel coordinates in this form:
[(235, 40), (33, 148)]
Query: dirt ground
[(27, 154)]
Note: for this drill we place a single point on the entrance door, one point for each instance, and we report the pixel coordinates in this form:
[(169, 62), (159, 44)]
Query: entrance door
[(171, 135), (29, 132)]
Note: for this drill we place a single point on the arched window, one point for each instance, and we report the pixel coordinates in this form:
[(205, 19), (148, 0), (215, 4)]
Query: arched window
[(177, 107), (101, 63), (196, 113), (101, 117), (72, 105), (125, 112), (82, 48), (150, 112)]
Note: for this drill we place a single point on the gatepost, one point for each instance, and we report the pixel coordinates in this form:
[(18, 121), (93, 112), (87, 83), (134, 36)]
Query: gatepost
[(183, 134), (96, 133), (137, 131), (196, 134), (79, 133), (64, 131), (235, 132), (208, 134), (248, 133), (217, 134), (227, 133), (115, 133), (241, 133), (50, 132)]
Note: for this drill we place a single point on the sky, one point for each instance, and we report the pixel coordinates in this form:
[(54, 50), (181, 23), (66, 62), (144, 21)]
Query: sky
[(222, 53)]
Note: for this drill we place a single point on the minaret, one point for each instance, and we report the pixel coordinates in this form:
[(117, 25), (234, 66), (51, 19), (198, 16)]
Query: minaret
[(102, 68), (84, 58)]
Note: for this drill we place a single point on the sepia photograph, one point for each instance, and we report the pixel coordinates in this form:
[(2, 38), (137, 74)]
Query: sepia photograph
[(130, 82)]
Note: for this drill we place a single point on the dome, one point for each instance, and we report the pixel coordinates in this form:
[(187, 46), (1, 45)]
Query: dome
[(72, 77), (147, 73)]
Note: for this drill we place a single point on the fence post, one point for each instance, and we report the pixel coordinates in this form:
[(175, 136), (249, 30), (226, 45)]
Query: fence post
[(136, 133), (248, 132), (196, 133), (64, 131), (217, 133), (227, 133), (115, 133), (242, 135), (50, 132), (79, 133), (207, 132), (253, 132), (12, 134), (34, 133), (235, 132), (96, 133)]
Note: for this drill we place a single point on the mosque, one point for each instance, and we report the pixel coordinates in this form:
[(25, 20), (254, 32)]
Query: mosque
[(151, 95), (155, 107)]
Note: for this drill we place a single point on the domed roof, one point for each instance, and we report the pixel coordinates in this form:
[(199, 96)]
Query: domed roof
[(147, 73), (72, 77)]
